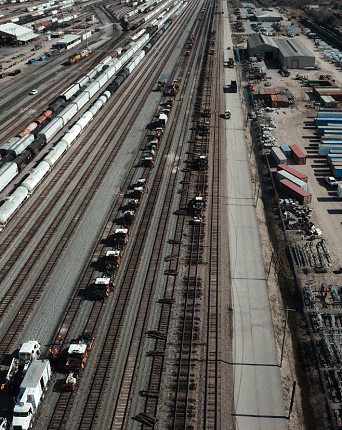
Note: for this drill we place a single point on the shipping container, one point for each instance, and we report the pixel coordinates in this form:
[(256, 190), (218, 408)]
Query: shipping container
[(330, 114), (337, 171), (293, 190), (283, 174), (278, 155), (329, 129), (286, 150), (333, 136), (332, 157), (297, 155), (328, 121), (293, 172), (325, 149), (336, 142)]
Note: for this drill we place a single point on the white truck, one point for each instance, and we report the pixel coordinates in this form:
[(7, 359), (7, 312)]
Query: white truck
[(28, 352), (31, 392)]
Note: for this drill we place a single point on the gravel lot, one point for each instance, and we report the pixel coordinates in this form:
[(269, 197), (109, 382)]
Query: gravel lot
[(295, 126)]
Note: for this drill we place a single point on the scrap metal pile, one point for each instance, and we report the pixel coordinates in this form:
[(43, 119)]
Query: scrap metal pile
[(310, 255), (324, 306)]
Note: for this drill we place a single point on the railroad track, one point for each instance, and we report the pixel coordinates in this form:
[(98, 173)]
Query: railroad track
[(181, 415), (35, 293), (12, 127), (88, 420)]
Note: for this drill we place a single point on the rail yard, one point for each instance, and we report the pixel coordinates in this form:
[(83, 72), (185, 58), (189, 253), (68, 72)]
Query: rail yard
[(140, 287)]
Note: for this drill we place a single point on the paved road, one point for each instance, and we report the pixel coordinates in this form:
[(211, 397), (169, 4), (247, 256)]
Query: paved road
[(258, 398)]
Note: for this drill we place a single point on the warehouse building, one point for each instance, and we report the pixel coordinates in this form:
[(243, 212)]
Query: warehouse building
[(294, 55), (266, 16), (291, 54), (262, 45), (13, 33), (69, 41)]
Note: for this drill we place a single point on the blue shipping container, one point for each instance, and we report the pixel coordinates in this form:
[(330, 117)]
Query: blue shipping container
[(326, 121), (326, 129), (337, 172), (329, 115), (331, 141), (286, 150), (325, 149)]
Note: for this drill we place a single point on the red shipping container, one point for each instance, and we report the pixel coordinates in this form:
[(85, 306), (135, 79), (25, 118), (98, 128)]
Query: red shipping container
[(293, 172), (293, 190), (297, 155)]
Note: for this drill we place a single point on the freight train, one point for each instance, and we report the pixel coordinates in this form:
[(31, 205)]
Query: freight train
[(18, 153)]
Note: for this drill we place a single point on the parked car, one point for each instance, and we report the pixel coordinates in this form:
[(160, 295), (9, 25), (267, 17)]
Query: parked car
[(33, 92), (227, 114), (267, 84), (331, 181)]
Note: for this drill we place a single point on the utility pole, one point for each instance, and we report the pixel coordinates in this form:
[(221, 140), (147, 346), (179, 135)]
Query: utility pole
[(282, 347)]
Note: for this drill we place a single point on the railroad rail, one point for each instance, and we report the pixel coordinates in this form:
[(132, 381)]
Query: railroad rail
[(107, 158)]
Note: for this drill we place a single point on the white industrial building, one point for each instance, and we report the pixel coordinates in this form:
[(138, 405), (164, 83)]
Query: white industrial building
[(16, 33), (291, 53)]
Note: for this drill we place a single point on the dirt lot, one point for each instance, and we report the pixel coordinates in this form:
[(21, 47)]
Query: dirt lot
[(295, 126)]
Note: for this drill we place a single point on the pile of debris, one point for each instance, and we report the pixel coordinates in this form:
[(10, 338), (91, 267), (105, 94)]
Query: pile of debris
[(310, 256)]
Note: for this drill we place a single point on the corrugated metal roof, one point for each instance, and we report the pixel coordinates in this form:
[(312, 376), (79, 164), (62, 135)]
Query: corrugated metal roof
[(15, 30), (325, 91), (259, 39), (68, 38), (293, 48), (259, 13)]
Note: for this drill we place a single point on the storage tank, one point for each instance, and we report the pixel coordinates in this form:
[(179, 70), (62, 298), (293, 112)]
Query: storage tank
[(283, 174), (36, 176), (103, 99), (85, 119), (12, 203), (7, 172), (96, 107), (55, 153), (107, 94), (71, 135), (278, 155)]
